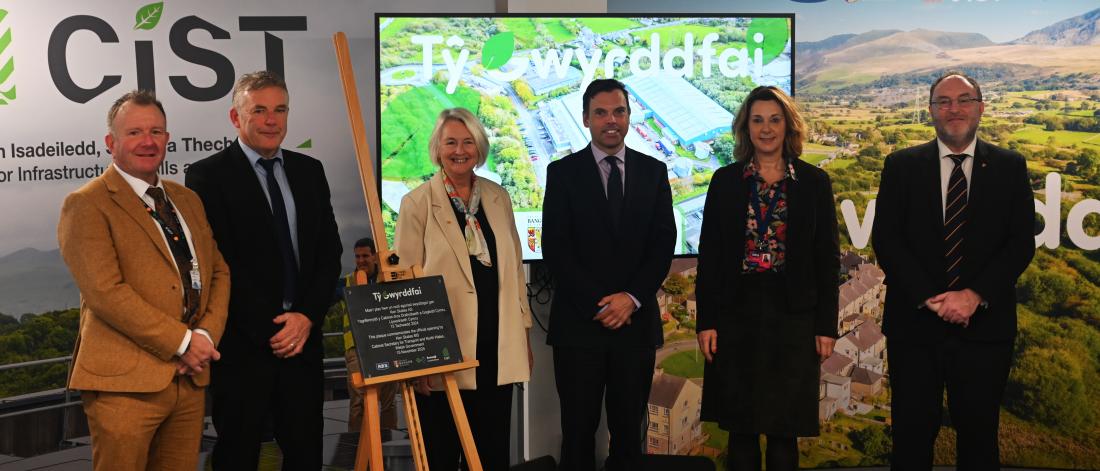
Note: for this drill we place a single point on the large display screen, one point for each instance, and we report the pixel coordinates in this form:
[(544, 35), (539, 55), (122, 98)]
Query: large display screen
[(523, 76)]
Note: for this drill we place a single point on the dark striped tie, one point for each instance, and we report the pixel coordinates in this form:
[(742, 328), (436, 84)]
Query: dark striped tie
[(954, 219), (614, 190)]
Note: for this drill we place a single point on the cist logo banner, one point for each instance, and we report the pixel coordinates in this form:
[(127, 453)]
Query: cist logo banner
[(7, 62)]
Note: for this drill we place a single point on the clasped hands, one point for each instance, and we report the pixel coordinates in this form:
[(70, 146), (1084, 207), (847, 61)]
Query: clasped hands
[(615, 310), (200, 352), (955, 307)]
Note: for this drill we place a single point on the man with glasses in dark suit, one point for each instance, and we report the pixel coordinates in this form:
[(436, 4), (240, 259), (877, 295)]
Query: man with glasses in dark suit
[(953, 231)]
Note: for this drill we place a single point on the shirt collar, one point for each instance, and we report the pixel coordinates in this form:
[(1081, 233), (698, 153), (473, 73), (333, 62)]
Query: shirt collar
[(140, 186), (254, 156), (945, 151), (599, 154), (750, 170)]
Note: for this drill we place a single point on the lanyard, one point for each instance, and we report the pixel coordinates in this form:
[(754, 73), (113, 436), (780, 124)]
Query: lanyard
[(762, 215), (176, 242)]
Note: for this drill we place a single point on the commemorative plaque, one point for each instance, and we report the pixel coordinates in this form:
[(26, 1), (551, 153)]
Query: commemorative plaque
[(402, 326)]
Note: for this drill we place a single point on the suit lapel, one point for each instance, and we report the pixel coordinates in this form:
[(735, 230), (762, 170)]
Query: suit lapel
[(736, 214), (123, 195), (444, 216), (250, 191), (979, 176), (930, 183), (633, 180), (798, 210)]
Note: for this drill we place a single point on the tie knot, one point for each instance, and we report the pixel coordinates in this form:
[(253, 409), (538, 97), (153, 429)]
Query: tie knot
[(958, 158), (157, 194), (613, 161), (268, 164)]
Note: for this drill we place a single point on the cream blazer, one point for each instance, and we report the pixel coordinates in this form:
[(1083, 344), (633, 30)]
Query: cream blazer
[(428, 235)]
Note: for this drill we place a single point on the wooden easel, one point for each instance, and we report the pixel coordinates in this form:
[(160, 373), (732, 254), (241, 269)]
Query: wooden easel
[(370, 436)]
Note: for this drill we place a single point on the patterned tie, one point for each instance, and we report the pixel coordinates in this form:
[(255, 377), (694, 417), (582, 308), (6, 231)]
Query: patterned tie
[(954, 219), (165, 214), (282, 231), (614, 190)]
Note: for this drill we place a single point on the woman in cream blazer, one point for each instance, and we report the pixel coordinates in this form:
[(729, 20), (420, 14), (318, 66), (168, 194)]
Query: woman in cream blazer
[(461, 226)]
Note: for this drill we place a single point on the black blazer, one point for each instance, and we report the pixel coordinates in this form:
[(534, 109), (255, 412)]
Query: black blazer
[(589, 260), (812, 267), (908, 240), (240, 216)]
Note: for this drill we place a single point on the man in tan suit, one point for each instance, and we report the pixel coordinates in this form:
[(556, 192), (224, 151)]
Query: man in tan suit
[(153, 296)]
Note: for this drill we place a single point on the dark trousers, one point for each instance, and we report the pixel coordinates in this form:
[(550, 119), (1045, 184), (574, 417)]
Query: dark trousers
[(974, 374), (743, 452), (582, 376), (251, 388), (489, 411)]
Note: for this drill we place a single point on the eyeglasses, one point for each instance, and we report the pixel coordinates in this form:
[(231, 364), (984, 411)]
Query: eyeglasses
[(944, 102)]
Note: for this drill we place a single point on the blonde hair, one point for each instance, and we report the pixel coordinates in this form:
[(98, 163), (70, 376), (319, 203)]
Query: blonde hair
[(792, 138), (464, 116)]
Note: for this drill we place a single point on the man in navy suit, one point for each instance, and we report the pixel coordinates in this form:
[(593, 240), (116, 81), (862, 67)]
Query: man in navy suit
[(954, 229), (272, 218), (608, 238)]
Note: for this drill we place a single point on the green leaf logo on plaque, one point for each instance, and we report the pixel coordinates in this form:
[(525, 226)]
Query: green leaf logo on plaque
[(769, 34), (148, 16), (7, 68), (498, 50), (446, 353)]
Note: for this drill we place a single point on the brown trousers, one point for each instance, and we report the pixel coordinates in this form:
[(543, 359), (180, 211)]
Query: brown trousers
[(158, 431)]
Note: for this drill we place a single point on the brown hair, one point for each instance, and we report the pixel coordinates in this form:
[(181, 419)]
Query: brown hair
[(796, 127)]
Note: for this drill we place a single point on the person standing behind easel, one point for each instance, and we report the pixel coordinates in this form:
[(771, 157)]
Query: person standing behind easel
[(366, 260)]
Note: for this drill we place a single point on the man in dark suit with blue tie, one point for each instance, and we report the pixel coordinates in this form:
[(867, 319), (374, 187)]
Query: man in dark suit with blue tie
[(608, 238), (954, 229), (272, 218)]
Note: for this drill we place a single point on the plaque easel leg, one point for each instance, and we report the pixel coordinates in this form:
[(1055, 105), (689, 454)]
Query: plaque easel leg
[(370, 435), (412, 419), (461, 423)]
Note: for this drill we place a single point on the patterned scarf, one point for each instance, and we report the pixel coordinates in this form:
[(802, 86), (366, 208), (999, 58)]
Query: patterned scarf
[(475, 239)]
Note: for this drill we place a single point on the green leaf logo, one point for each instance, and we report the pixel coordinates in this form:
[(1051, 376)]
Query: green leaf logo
[(769, 34), (306, 145), (7, 87), (148, 16), (498, 50)]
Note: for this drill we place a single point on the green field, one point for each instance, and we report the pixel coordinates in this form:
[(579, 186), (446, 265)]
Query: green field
[(1037, 135), (556, 29), (409, 118), (813, 158), (524, 29), (394, 27), (607, 25), (684, 364), (841, 163), (716, 437), (673, 36)]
